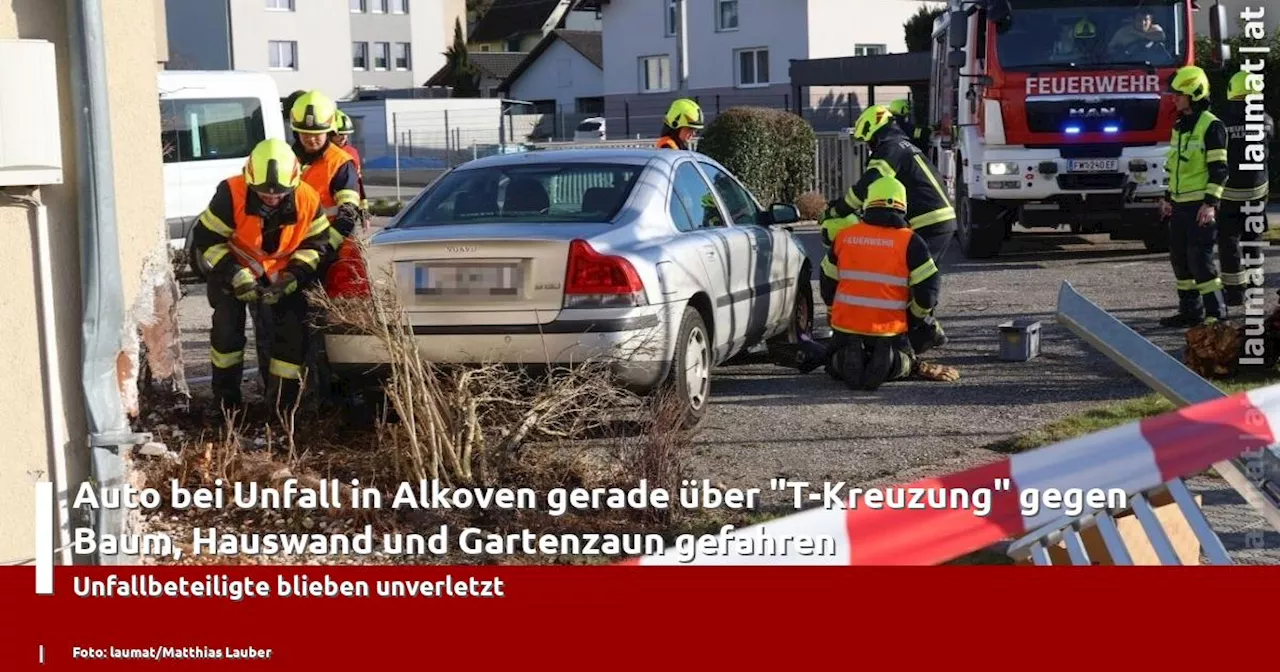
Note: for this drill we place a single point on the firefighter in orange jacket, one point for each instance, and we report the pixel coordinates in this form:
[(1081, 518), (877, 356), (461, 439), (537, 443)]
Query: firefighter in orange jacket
[(262, 239), (888, 285), (681, 125), (342, 138), (326, 167)]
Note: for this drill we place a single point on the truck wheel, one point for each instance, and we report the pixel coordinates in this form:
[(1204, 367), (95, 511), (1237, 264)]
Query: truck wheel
[(1157, 238), (981, 225)]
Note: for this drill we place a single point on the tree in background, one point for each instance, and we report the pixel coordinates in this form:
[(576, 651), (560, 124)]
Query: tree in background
[(466, 79), (919, 28), (1219, 77)]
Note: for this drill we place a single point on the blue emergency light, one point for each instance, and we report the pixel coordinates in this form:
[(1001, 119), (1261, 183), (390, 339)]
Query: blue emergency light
[(1073, 130), (1111, 129)]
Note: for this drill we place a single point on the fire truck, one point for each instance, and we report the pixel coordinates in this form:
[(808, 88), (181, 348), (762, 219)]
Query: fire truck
[(1050, 113)]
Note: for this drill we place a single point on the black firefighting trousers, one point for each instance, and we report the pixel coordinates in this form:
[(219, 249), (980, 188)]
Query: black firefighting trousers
[(1238, 246), (287, 331), (1191, 254)]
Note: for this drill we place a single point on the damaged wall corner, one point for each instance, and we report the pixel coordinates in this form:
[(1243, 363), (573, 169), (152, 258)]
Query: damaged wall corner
[(152, 327)]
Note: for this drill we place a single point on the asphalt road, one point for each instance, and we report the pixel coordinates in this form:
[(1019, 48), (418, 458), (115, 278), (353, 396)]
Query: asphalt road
[(767, 421)]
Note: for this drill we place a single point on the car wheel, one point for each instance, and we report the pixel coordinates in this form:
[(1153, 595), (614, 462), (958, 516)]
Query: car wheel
[(801, 321), (690, 378)]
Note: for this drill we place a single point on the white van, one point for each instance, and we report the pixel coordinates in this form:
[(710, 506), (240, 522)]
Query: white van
[(210, 121)]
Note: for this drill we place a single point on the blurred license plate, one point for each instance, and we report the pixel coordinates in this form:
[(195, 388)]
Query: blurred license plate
[(1093, 165), (466, 280)]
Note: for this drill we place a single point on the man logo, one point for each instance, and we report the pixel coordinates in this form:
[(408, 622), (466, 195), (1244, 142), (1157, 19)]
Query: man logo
[(1092, 112)]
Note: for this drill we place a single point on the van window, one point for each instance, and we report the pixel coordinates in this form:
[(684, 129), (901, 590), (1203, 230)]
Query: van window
[(197, 129), (589, 126)]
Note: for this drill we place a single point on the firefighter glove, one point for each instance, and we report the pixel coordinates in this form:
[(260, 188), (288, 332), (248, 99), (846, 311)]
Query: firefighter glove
[(244, 285), (348, 216), (285, 285)]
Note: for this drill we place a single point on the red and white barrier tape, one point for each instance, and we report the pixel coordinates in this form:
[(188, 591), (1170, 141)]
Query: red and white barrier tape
[(1133, 457)]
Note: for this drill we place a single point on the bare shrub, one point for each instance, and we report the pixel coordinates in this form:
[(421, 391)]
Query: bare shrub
[(660, 454), (451, 420), (811, 204)]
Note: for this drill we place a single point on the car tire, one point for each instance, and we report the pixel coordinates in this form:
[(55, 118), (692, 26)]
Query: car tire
[(801, 320), (689, 381)]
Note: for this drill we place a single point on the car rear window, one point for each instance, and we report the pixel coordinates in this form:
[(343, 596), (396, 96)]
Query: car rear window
[(545, 192)]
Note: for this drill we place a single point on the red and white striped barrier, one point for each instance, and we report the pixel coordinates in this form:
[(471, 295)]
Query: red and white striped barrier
[(1133, 458)]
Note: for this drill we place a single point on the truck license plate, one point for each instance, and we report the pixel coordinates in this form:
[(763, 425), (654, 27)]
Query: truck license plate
[(1093, 165)]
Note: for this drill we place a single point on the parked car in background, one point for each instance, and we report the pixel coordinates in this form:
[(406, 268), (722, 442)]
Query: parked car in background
[(659, 262), (592, 129), (210, 121)]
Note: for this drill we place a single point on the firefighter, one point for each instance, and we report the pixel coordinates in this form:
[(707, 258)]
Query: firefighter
[(1243, 187), (929, 211), (1198, 171), (681, 125), (263, 237), (342, 138), (901, 109), (886, 276), (329, 170)]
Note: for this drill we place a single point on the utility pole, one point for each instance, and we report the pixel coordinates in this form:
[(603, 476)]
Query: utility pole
[(682, 46)]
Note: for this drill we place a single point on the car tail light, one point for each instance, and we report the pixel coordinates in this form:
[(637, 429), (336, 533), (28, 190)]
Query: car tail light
[(348, 277), (594, 280)]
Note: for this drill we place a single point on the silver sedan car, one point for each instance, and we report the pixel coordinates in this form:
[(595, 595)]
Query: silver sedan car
[(659, 262)]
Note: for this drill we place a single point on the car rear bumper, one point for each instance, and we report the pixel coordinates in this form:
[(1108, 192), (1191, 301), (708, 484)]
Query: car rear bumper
[(636, 346)]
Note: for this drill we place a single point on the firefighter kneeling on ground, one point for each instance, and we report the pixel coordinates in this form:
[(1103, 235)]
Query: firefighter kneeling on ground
[(1246, 192), (882, 308), (262, 239), (1198, 171)]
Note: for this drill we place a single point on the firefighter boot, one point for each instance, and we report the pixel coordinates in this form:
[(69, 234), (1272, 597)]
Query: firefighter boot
[(880, 365), (810, 355), (1234, 295), (853, 363), (1190, 310)]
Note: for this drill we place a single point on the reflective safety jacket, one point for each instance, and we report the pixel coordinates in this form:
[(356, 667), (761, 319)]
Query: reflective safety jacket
[(236, 231), (929, 211), (667, 142), (333, 175), (1197, 159), (884, 271), (355, 157), (1248, 153), (918, 136)]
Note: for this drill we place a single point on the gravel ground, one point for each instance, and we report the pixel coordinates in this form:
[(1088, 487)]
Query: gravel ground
[(769, 422)]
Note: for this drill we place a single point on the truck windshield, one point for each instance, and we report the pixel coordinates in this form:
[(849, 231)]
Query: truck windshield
[(1078, 34)]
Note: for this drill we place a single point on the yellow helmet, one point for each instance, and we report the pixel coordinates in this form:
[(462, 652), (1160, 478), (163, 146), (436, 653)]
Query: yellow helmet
[(343, 125), (272, 167), (1191, 81), (313, 112), (1238, 87), (684, 113), (887, 192), (1084, 30), (870, 121), (900, 107)]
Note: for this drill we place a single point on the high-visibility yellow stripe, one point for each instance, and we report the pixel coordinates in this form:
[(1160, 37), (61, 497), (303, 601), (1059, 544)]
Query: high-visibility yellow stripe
[(1186, 285), (309, 257), (1209, 286), (1216, 155), (883, 167), (851, 199), (829, 269), (1257, 193), (335, 238), (869, 302), (923, 272), (1235, 279), (929, 174), (937, 216), (917, 310), (225, 360), (281, 369), (215, 253), (216, 225), (1214, 190), (317, 225), (344, 196)]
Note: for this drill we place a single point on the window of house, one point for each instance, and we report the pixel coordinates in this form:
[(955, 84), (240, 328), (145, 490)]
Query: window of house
[(280, 5), (655, 73), (282, 55), (753, 67), (692, 205), (402, 56), (673, 17), (870, 49), (378, 6), (726, 14), (592, 105), (742, 206), (381, 55), (359, 55), (206, 130), (400, 6), (357, 6)]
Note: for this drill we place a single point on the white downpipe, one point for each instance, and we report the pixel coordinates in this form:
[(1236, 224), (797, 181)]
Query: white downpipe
[(55, 409)]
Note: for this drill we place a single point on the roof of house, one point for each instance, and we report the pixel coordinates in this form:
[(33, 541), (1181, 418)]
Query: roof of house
[(506, 18), (491, 64), (586, 42)]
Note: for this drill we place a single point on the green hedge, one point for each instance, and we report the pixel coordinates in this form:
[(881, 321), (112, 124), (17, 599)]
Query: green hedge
[(770, 150)]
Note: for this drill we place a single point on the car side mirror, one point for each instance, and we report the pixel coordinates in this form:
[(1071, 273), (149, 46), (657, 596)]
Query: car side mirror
[(956, 59), (783, 213)]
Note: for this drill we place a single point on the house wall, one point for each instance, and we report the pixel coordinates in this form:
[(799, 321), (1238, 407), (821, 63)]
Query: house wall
[(560, 74), (431, 23), (131, 45), (199, 35), (390, 28), (323, 33)]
